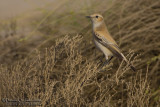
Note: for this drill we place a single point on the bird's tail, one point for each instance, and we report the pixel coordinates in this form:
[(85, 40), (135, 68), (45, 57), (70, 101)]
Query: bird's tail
[(130, 65)]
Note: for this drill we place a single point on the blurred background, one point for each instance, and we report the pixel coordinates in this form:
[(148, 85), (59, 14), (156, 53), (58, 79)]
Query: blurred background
[(29, 25), (9, 8)]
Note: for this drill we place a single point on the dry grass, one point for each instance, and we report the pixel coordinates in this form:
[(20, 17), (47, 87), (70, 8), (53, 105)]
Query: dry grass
[(63, 70), (63, 76)]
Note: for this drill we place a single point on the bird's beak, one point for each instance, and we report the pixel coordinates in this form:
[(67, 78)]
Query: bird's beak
[(88, 16)]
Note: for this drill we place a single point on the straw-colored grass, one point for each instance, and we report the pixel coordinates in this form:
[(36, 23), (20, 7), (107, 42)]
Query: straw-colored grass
[(59, 64)]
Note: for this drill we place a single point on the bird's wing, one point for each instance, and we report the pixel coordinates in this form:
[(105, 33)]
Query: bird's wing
[(108, 43), (112, 46)]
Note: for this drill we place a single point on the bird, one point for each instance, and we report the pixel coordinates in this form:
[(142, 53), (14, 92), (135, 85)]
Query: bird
[(104, 41)]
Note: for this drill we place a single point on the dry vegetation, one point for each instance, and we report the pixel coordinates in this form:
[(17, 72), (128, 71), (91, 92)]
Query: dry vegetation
[(64, 70)]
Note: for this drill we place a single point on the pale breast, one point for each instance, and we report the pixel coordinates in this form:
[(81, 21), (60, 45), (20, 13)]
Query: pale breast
[(106, 51)]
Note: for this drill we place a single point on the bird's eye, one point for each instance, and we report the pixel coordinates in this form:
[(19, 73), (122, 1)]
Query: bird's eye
[(96, 16)]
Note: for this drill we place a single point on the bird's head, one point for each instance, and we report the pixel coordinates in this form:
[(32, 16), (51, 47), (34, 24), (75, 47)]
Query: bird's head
[(96, 19)]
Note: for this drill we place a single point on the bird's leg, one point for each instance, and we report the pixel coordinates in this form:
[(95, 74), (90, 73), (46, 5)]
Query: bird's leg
[(107, 61), (95, 53), (100, 59)]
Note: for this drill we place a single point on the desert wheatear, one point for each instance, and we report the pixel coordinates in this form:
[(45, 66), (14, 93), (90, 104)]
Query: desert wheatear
[(104, 41)]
